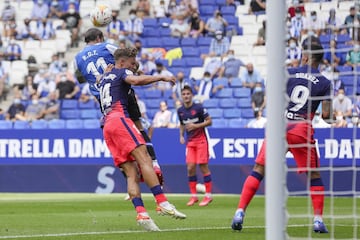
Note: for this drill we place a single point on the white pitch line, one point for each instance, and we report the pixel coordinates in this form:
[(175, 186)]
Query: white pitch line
[(128, 231)]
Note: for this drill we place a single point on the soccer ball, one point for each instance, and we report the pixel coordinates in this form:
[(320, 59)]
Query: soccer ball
[(101, 15), (200, 188)]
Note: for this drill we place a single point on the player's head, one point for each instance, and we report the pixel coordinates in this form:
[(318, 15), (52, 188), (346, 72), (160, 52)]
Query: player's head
[(312, 54), (186, 94), (125, 58), (94, 35)]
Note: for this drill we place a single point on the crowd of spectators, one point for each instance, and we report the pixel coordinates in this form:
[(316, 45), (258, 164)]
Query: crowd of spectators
[(40, 96)]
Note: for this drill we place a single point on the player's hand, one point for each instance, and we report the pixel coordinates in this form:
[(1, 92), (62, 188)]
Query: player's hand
[(190, 126), (170, 79), (182, 139), (109, 67)]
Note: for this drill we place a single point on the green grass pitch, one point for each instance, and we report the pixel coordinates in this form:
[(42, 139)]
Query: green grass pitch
[(90, 216)]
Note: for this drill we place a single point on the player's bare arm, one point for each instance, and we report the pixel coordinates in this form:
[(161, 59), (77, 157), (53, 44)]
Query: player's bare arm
[(148, 79), (182, 132)]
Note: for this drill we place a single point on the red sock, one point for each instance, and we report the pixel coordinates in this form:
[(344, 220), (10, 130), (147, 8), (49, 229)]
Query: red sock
[(208, 183), (140, 209), (250, 187), (192, 186), (317, 198)]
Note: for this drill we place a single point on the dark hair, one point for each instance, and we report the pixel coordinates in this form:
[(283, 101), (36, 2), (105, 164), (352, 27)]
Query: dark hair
[(92, 34), (128, 52), (316, 51), (187, 87)]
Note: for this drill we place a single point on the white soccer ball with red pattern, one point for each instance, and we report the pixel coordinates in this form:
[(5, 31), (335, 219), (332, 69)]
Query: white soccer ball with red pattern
[(200, 188), (101, 15)]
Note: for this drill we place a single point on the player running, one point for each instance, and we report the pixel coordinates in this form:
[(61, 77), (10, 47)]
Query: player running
[(193, 120), (306, 88), (123, 139)]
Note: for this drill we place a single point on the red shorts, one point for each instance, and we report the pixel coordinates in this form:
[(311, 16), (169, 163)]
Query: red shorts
[(301, 144), (121, 137), (197, 152)]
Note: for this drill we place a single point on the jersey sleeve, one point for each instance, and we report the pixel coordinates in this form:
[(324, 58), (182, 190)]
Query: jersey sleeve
[(111, 48)]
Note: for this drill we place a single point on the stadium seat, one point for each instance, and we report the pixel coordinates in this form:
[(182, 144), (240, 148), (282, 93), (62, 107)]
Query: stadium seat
[(194, 62), (39, 124), (165, 32), (244, 102), (69, 113), (69, 104), (169, 42), (153, 103), (56, 124), (211, 103), (215, 113), (89, 104), (232, 113), (179, 63), (224, 93), (151, 32), (175, 70), (151, 113), (228, 10), (247, 113), (190, 52), (91, 123), (164, 21), (5, 124), (219, 123), (206, 2), (74, 124), (150, 23), (152, 42), (348, 80), (235, 83), (207, 10), (204, 41), (167, 94), (221, 81), (343, 38), (344, 68), (237, 123), (232, 20), (152, 93), (221, 3), (227, 103), (325, 38), (89, 113), (188, 42), (242, 92)]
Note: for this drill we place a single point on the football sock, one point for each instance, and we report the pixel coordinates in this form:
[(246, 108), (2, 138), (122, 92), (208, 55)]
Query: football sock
[(158, 194), (317, 195), (139, 205), (208, 184), (192, 185), (149, 145), (250, 187)]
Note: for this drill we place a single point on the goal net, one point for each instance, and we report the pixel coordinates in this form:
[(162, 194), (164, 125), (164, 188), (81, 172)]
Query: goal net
[(289, 207)]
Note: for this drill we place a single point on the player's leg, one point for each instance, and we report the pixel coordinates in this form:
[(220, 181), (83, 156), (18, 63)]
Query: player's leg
[(191, 174), (308, 159), (143, 219), (250, 187), (204, 168), (143, 159), (135, 115), (202, 158)]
